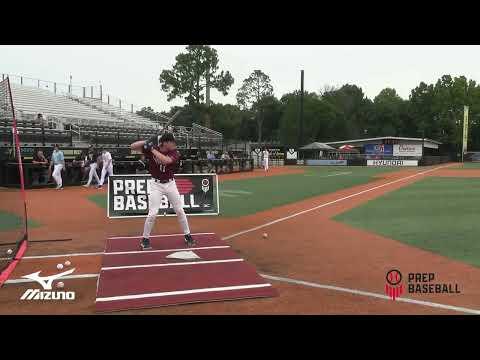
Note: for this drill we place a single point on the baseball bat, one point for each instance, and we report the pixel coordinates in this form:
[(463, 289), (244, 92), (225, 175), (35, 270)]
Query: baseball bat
[(171, 119)]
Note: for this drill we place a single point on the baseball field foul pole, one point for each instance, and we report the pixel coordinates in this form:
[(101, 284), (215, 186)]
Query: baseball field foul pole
[(465, 131), (300, 125)]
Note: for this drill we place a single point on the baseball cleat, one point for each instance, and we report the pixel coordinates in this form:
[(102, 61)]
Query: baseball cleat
[(189, 240), (145, 244)]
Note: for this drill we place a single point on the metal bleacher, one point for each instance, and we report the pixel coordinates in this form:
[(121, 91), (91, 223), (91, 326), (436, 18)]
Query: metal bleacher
[(31, 101), (73, 120), (113, 111)]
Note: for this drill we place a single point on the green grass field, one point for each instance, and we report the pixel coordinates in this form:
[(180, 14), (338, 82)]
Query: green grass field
[(10, 221), (248, 196), (467, 165), (435, 214)]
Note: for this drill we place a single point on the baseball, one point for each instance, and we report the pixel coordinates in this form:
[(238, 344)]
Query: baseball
[(60, 285), (68, 263), (265, 235), (9, 252), (59, 266)]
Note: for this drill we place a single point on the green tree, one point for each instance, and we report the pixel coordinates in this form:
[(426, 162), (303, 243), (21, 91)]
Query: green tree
[(253, 96), (319, 118), (226, 119), (272, 112), (438, 109), (193, 72), (351, 108), (388, 115)]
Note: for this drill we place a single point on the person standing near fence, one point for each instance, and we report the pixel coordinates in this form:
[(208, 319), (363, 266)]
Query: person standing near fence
[(210, 159), (107, 166), (40, 170), (57, 163), (265, 159), (92, 164)]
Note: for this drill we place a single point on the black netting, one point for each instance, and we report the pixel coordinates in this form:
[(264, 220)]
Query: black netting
[(13, 216)]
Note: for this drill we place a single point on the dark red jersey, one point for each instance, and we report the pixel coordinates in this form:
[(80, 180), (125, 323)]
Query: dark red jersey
[(159, 170)]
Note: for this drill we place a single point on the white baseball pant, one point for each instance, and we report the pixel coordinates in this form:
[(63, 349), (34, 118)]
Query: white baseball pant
[(92, 174), (157, 191), (106, 169), (265, 164), (57, 174)]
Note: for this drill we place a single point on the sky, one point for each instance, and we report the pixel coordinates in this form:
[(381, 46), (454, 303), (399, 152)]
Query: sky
[(131, 72)]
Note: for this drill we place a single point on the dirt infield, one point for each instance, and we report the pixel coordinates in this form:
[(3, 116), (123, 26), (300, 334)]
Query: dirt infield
[(303, 244)]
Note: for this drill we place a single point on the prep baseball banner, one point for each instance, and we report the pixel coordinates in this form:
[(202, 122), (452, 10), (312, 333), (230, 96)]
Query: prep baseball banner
[(465, 128), (378, 149), (128, 195)]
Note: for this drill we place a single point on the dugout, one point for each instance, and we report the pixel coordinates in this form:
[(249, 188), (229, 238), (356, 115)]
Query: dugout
[(317, 153), (125, 161)]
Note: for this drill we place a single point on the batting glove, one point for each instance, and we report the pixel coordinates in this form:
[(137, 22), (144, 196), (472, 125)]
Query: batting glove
[(148, 146)]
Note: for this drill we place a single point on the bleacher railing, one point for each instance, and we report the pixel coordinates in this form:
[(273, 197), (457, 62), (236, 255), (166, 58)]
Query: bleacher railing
[(79, 91)]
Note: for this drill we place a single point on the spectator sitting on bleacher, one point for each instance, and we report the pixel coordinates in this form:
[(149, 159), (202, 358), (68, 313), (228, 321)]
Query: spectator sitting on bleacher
[(42, 162), (41, 119), (57, 163)]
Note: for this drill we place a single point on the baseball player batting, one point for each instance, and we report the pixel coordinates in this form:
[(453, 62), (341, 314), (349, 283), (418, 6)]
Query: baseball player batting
[(161, 151)]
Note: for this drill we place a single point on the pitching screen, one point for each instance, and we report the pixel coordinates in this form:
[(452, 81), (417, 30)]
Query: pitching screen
[(128, 195), (13, 215)]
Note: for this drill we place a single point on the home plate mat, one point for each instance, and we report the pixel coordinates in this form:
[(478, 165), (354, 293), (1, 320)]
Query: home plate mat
[(210, 271)]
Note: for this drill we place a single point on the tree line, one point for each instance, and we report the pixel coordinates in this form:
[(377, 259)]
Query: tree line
[(332, 114)]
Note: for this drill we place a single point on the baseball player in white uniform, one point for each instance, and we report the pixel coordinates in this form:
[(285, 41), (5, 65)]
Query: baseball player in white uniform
[(161, 151), (265, 159), (107, 166), (92, 161), (58, 164)]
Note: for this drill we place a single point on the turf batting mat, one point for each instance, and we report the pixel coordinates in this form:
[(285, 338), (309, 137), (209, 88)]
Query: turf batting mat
[(134, 279)]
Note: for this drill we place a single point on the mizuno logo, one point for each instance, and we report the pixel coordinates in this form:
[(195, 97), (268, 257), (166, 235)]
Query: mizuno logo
[(36, 294), (47, 282)]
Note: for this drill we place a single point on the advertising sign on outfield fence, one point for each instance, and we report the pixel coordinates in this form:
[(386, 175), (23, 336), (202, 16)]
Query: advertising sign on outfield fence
[(407, 150), (128, 195), (325, 162), (291, 154), (378, 149), (392, 162)]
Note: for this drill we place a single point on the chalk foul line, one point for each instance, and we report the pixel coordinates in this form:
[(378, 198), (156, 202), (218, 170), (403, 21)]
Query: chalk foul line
[(329, 203), (372, 294)]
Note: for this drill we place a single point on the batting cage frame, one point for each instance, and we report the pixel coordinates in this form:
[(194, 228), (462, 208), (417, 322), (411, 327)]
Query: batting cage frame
[(10, 258)]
